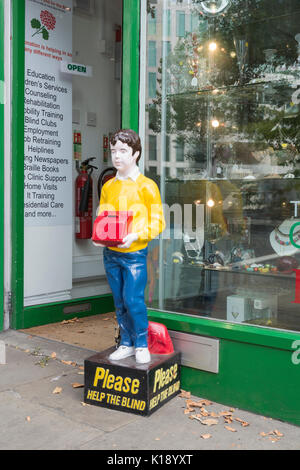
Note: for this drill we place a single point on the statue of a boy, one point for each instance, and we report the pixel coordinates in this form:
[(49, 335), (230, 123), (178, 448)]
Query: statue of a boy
[(126, 264)]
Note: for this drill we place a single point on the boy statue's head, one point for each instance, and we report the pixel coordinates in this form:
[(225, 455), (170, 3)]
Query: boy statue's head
[(129, 137)]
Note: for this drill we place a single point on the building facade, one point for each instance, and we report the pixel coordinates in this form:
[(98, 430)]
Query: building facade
[(212, 89)]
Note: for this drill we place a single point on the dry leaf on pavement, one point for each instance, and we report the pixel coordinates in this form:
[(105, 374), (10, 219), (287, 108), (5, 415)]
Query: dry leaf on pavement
[(205, 436), (72, 320), (270, 433), (57, 390), (28, 419), (77, 385), (53, 355), (230, 429), (184, 394), (225, 413), (209, 421), (243, 423)]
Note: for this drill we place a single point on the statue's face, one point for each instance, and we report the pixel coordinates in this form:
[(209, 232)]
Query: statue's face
[(122, 156)]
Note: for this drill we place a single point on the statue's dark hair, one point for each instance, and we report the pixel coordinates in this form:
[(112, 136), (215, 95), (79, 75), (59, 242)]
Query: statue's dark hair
[(129, 137)]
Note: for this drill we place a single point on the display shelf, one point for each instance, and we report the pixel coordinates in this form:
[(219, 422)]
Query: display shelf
[(240, 271)]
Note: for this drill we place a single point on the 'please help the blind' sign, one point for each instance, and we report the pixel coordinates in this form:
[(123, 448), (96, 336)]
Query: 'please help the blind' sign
[(76, 69)]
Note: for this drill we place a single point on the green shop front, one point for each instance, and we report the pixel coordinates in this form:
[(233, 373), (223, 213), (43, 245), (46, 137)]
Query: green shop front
[(212, 87)]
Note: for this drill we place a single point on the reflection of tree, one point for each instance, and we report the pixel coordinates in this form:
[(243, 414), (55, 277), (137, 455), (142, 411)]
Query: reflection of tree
[(248, 91)]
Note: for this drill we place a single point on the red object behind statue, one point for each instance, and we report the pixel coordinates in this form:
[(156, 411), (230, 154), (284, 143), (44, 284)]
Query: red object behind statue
[(159, 341), (110, 227)]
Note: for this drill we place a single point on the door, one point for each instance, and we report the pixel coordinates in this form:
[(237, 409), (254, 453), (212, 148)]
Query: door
[(70, 79), (2, 91)]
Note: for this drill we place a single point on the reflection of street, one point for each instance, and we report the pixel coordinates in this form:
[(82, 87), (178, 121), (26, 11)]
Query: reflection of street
[(152, 266)]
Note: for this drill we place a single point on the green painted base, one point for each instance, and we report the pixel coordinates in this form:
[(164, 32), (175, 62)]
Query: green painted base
[(51, 313)]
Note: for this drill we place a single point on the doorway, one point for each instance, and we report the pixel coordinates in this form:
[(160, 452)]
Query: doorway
[(72, 104)]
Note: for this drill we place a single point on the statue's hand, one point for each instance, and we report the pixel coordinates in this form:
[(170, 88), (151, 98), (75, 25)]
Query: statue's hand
[(98, 244), (128, 240)]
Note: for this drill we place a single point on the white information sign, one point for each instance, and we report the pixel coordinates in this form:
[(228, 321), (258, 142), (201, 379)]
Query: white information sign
[(48, 152), (48, 114)]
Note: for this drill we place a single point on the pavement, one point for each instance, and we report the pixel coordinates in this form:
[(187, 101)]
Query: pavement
[(33, 417)]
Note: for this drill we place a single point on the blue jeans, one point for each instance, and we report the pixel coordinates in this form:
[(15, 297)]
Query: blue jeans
[(127, 276)]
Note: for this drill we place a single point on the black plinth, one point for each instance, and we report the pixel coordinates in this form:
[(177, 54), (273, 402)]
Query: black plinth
[(127, 386)]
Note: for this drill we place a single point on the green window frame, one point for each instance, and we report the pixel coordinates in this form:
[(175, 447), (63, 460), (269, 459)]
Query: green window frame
[(1, 162)]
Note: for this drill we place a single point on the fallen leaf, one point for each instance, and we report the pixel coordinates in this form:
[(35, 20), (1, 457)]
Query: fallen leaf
[(198, 404), (214, 415), (184, 394), (85, 404), (188, 410), (209, 421), (243, 423), (80, 373), (195, 417), (277, 433), (66, 362), (205, 436), (230, 429), (77, 385), (228, 419), (57, 390), (72, 320), (28, 419), (81, 367), (53, 355), (225, 413)]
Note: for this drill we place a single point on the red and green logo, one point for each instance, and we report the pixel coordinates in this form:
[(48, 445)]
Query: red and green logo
[(47, 23)]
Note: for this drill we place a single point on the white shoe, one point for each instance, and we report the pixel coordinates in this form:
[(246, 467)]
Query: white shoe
[(121, 353), (142, 355)]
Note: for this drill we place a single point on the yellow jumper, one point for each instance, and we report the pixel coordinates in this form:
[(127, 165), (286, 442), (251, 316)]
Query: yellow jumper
[(142, 197)]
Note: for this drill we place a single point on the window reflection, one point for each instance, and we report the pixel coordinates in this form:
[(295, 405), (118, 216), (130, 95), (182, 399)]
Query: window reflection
[(225, 117)]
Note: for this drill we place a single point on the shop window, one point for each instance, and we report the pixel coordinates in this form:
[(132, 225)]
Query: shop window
[(179, 150), (152, 147), (180, 23), (194, 22), (232, 113), (152, 21), (152, 84), (168, 13), (152, 54)]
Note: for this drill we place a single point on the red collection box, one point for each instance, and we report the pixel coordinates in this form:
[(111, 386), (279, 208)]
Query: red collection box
[(110, 227)]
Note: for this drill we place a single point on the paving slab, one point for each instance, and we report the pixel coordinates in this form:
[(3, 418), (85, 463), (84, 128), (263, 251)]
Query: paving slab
[(69, 401), (29, 426)]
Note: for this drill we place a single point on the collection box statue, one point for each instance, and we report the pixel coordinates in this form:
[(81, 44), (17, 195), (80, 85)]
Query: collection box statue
[(134, 377)]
